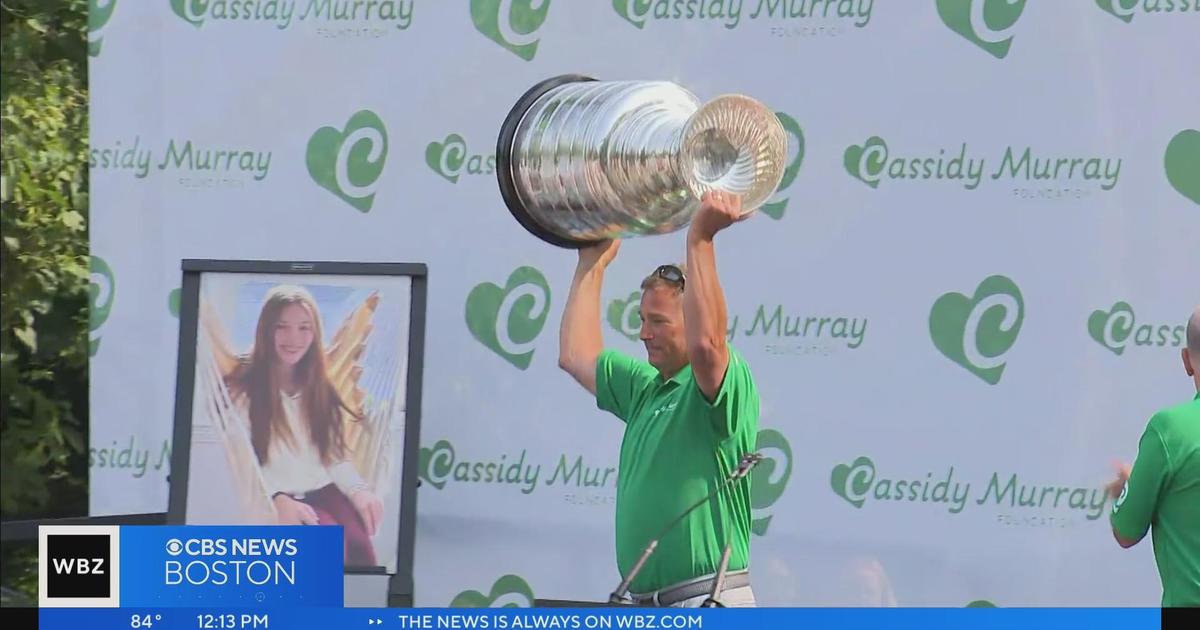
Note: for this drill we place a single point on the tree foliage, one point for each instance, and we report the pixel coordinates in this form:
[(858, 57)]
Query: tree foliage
[(43, 271), (43, 257)]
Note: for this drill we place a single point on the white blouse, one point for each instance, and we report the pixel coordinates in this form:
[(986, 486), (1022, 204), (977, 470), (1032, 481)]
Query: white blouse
[(294, 465)]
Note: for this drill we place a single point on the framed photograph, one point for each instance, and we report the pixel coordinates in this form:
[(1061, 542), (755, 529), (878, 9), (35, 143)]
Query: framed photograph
[(298, 402)]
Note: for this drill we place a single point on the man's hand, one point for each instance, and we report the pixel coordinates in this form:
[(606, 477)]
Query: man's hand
[(718, 210), (1117, 485), (599, 255)]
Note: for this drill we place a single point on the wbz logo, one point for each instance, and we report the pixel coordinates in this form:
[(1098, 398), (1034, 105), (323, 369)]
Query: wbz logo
[(82, 566), (78, 566)]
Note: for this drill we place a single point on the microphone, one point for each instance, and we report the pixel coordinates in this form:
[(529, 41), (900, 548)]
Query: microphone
[(621, 595)]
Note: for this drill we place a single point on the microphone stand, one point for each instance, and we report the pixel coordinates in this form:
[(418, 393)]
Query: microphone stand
[(719, 583), (621, 595)]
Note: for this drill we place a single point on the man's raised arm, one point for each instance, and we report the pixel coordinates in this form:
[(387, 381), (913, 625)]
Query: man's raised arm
[(579, 338), (704, 300)]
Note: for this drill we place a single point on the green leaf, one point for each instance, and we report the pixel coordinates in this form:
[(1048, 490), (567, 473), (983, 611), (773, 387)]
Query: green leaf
[(26, 336), (72, 219), (74, 439)]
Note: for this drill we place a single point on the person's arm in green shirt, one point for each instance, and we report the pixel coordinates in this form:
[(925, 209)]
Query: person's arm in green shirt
[(703, 299), (1133, 510), (720, 374), (580, 339)]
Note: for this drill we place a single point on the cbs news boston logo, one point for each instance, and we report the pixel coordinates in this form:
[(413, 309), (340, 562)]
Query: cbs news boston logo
[(189, 565), (79, 567)]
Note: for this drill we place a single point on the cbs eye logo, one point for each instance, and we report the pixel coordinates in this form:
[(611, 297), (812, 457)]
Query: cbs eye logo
[(198, 547), (78, 566)]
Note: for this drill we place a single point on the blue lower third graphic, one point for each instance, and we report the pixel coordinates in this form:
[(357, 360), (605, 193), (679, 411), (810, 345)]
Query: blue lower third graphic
[(231, 566)]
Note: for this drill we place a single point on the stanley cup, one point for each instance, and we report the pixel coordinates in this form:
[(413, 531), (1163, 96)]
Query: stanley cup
[(581, 160)]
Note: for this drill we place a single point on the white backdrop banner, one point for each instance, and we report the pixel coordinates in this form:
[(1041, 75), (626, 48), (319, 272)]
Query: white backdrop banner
[(963, 303)]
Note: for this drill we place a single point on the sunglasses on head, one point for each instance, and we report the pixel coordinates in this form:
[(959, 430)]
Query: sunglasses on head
[(670, 273)]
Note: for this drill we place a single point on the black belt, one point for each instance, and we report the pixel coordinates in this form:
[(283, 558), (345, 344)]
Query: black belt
[(693, 588)]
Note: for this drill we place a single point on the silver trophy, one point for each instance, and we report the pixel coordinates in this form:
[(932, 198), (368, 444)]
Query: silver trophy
[(580, 160)]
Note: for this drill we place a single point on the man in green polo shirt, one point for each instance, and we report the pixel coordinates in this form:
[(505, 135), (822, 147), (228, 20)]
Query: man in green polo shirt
[(1161, 491), (690, 412)]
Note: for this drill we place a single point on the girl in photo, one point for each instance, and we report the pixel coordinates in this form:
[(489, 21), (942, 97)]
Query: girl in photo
[(296, 420)]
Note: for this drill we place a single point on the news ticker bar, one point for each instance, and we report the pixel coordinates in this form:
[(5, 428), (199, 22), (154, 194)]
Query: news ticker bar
[(592, 618)]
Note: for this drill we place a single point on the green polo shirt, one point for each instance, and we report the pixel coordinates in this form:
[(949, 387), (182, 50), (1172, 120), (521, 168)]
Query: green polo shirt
[(1163, 491), (678, 446)]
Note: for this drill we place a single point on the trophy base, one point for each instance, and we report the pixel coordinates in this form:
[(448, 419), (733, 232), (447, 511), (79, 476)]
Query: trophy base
[(504, 166)]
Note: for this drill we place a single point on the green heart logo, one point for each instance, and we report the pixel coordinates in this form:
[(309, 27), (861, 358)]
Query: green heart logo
[(510, 591), (634, 11), (865, 162), (976, 332), (1122, 9), (986, 23), (770, 477), (192, 11), (446, 158), (1112, 328), (102, 291), (99, 13), (511, 23), (173, 302), (435, 464), (853, 482), (507, 320), (348, 163), (776, 209), (1182, 161), (624, 316)]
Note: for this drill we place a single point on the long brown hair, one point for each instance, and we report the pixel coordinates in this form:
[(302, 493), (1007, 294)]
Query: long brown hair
[(257, 380)]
